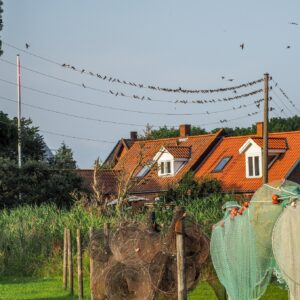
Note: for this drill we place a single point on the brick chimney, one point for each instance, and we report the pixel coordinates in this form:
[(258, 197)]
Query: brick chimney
[(184, 130), (133, 135), (260, 129)]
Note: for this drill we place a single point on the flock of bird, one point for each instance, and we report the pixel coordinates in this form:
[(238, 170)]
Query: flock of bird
[(242, 46)]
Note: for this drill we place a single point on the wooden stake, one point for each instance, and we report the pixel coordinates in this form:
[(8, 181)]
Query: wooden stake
[(91, 233), (70, 263), (65, 260), (266, 121), (79, 266), (181, 278)]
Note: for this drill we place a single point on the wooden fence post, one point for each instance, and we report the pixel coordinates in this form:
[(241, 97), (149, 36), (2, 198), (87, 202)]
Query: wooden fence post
[(65, 260), (91, 233), (181, 276), (70, 263), (79, 266)]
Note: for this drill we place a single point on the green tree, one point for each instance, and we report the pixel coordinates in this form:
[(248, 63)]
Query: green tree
[(165, 132), (33, 146), (63, 159)]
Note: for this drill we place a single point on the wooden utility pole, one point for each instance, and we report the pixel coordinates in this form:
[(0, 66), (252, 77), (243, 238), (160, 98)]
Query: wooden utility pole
[(19, 112), (65, 260), (79, 266), (181, 276), (91, 234), (266, 121), (70, 263)]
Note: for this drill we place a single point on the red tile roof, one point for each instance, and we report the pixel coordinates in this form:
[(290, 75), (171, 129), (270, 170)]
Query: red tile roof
[(106, 180), (273, 143), (179, 151), (233, 176), (144, 151)]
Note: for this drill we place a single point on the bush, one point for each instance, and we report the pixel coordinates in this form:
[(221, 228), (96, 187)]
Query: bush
[(37, 183)]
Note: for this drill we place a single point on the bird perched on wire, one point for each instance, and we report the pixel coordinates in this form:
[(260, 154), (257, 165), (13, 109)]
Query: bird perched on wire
[(27, 46), (83, 85), (223, 77), (293, 23), (231, 79), (288, 47), (242, 46)]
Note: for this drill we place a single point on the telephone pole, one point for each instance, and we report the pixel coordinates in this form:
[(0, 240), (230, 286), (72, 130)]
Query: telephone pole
[(266, 135), (19, 112)]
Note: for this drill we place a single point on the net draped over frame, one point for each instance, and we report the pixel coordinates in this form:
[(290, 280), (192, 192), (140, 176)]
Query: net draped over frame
[(241, 246)]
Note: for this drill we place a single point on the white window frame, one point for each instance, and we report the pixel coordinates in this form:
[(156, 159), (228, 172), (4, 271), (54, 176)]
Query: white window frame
[(164, 162), (252, 156)]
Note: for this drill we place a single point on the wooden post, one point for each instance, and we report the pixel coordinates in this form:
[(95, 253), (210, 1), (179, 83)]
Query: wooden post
[(181, 276), (91, 233), (266, 121), (79, 266), (106, 233), (70, 263), (65, 260)]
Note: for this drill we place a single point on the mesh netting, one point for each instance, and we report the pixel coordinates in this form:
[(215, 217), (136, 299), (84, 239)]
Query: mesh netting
[(286, 246), (241, 247), (137, 261)]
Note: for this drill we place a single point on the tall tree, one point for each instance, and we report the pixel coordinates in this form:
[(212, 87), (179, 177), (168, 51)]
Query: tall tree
[(63, 159), (33, 146)]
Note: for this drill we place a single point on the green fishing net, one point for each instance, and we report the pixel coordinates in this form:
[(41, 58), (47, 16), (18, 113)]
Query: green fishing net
[(241, 244), (286, 242)]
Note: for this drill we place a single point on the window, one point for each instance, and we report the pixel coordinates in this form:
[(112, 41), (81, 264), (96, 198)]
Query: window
[(253, 166), (221, 165), (144, 170), (165, 167)]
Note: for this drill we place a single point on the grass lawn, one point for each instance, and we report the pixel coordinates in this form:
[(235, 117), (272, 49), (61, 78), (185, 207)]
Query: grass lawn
[(51, 288)]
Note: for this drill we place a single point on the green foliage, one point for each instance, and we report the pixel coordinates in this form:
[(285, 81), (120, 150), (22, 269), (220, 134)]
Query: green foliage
[(189, 188), (63, 158), (165, 132), (36, 183), (32, 142)]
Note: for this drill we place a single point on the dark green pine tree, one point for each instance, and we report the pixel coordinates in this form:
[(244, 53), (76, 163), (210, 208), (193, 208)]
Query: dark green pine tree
[(63, 159)]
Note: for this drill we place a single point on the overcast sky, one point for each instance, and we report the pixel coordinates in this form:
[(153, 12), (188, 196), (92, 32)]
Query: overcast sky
[(170, 43)]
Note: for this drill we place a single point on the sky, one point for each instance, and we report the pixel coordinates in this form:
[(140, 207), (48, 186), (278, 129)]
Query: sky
[(170, 43)]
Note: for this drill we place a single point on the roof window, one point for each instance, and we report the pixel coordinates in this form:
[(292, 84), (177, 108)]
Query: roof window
[(221, 165)]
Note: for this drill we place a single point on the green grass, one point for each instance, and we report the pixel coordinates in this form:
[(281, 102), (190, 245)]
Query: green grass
[(51, 288)]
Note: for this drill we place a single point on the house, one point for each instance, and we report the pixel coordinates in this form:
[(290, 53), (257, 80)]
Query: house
[(156, 165), (149, 167), (237, 161)]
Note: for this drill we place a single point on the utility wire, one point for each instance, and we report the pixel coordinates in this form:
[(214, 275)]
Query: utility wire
[(106, 121), (69, 136), (280, 109), (137, 97), (139, 85), (285, 95), (114, 108), (276, 95)]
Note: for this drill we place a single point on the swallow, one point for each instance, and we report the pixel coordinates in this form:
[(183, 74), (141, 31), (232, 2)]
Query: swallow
[(242, 46), (288, 47), (230, 79), (27, 46), (293, 23), (223, 77), (83, 85), (82, 71)]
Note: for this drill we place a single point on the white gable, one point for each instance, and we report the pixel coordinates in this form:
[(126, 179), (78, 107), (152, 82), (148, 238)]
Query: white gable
[(250, 147)]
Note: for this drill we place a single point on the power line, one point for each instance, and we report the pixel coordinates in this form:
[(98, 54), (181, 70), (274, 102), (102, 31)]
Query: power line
[(285, 95), (114, 108), (257, 103), (70, 136), (276, 95), (281, 110), (112, 79), (137, 97)]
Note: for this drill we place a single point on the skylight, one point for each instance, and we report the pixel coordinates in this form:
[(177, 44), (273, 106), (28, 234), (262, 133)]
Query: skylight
[(221, 165), (145, 169)]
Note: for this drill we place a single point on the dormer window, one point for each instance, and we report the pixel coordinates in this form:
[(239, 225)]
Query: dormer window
[(145, 169), (165, 168), (254, 166), (171, 159)]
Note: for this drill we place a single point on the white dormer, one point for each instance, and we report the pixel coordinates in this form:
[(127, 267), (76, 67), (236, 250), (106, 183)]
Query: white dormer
[(253, 148), (171, 159)]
